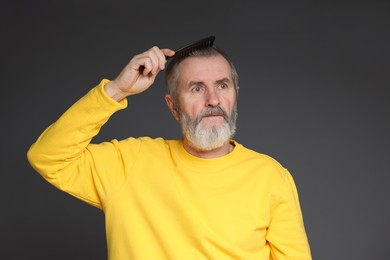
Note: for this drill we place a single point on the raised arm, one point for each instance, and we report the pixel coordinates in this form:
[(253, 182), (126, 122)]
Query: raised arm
[(63, 154)]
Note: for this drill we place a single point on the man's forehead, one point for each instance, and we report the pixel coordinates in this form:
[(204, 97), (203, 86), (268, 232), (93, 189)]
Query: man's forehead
[(214, 67)]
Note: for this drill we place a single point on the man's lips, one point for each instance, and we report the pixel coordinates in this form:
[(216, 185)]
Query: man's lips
[(213, 116)]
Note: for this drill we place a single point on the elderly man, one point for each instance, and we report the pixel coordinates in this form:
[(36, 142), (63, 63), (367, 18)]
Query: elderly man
[(204, 196)]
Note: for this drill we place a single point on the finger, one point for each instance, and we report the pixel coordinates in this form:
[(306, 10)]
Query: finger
[(160, 58), (151, 60), (168, 52), (137, 63), (157, 58), (147, 66)]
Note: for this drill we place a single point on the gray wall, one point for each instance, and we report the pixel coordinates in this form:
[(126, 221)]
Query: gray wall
[(314, 95)]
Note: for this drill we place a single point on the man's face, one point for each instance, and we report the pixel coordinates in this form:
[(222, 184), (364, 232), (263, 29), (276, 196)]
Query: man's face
[(207, 101)]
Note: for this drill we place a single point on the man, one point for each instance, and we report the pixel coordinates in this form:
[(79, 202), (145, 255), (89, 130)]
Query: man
[(203, 197)]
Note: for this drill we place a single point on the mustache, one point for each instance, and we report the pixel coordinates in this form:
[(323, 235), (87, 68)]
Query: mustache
[(213, 111)]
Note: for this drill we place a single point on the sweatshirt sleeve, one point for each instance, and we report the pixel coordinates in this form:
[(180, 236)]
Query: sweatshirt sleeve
[(64, 156), (286, 233)]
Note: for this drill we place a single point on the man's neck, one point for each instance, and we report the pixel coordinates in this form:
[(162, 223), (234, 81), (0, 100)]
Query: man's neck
[(226, 148)]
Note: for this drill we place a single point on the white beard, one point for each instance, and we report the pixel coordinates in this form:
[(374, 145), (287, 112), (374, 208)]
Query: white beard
[(210, 138)]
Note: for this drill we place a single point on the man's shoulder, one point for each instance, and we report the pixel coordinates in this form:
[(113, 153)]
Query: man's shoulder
[(260, 157), (265, 166)]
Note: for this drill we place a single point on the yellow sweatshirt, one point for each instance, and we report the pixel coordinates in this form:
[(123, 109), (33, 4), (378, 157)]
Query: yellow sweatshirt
[(160, 202)]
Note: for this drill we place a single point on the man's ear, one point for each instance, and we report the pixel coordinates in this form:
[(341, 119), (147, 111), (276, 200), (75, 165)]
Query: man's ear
[(172, 106)]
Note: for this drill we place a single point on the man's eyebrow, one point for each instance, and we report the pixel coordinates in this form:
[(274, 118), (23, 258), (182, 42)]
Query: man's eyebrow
[(219, 81), (224, 80), (192, 83)]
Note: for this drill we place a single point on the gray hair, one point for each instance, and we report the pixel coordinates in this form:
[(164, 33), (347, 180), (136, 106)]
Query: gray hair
[(172, 71)]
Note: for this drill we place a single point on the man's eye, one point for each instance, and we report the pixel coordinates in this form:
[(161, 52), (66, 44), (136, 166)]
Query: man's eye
[(223, 86), (196, 89)]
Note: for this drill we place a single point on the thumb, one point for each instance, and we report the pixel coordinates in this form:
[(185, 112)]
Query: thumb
[(168, 52)]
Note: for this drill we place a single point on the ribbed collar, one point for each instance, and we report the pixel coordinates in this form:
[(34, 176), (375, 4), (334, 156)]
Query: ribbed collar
[(201, 164)]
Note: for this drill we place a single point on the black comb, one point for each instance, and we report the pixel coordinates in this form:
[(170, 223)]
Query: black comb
[(187, 50)]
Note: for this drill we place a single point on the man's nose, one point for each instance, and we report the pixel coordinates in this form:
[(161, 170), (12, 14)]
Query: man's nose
[(212, 98)]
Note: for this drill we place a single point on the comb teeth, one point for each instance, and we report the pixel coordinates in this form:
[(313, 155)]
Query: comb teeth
[(187, 50), (198, 45)]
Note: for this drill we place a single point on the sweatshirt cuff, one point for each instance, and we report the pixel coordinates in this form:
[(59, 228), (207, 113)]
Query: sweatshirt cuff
[(108, 100)]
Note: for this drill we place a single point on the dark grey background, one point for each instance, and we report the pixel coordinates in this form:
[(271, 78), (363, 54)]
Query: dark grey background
[(314, 95)]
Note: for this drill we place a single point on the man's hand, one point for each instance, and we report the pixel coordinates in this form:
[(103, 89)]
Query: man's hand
[(131, 81)]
